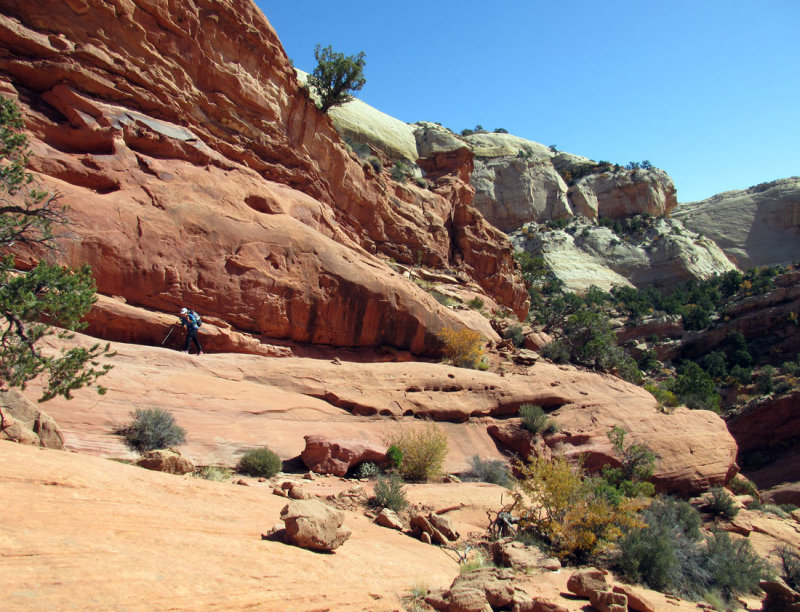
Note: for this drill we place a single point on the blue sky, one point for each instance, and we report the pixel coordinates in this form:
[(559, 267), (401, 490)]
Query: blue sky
[(707, 90)]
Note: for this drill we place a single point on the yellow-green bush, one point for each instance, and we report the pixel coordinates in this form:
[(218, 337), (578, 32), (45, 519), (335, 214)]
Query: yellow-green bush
[(563, 509), (461, 347), (423, 448)]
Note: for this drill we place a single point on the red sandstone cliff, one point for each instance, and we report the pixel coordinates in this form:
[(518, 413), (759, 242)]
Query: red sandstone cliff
[(197, 171)]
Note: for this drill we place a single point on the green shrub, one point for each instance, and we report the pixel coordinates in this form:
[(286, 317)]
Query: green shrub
[(559, 508), (476, 303), (664, 554), (367, 469), (668, 555), (742, 486), (695, 388), (515, 334), (400, 172), (535, 420), (261, 462), (494, 471), (376, 163), (765, 380), (336, 77), (664, 397), (424, 448), (395, 456), (721, 504), (733, 565), (790, 566), (390, 493), (151, 429)]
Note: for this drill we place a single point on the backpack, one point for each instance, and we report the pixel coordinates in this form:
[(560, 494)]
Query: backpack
[(197, 320)]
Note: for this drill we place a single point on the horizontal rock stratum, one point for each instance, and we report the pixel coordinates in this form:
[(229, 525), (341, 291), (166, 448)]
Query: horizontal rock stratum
[(229, 403)]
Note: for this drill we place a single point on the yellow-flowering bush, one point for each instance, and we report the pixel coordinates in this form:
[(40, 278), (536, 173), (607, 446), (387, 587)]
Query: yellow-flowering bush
[(566, 510), (462, 347)]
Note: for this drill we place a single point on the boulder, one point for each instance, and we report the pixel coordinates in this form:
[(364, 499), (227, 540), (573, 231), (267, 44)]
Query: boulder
[(314, 525), (636, 601), (388, 518), (168, 461), (325, 455), (510, 553), (608, 601), (495, 586), (584, 582), (779, 597)]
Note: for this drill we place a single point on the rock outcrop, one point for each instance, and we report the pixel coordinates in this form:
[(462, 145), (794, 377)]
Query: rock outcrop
[(336, 456), (585, 254), (280, 224), (759, 226), (21, 421)]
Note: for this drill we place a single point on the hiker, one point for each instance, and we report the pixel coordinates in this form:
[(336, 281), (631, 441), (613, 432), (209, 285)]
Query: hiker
[(188, 319)]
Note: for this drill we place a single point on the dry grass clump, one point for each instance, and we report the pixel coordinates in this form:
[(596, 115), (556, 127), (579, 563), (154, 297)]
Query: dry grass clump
[(423, 448)]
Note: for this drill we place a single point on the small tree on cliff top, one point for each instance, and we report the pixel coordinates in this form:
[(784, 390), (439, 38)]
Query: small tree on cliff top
[(33, 300), (337, 76)]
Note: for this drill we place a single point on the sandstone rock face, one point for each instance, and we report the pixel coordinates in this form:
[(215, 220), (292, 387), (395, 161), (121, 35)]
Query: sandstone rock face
[(129, 122), (758, 226), (313, 525), (326, 456), (511, 192), (693, 447), (588, 255)]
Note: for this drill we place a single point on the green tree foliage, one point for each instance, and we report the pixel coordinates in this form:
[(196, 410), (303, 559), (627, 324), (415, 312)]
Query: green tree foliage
[(695, 388), (32, 301), (337, 76)]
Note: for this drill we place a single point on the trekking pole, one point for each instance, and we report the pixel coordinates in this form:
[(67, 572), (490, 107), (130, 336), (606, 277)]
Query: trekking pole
[(171, 329)]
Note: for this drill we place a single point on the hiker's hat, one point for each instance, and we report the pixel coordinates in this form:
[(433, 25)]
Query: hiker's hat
[(184, 311)]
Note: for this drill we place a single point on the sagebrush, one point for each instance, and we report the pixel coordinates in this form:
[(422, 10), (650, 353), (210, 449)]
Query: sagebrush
[(151, 429)]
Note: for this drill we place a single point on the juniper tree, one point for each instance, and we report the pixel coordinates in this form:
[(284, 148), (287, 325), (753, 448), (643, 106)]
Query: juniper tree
[(32, 301), (337, 76)]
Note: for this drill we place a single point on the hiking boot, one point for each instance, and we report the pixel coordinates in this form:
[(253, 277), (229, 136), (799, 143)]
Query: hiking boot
[(200, 353)]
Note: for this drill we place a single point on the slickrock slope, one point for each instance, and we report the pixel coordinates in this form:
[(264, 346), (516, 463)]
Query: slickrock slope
[(231, 402), (758, 226), (83, 533), (197, 171), (87, 533)]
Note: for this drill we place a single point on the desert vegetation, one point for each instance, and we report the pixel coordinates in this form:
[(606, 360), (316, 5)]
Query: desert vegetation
[(151, 429)]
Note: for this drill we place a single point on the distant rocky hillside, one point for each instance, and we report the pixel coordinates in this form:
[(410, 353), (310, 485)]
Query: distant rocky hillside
[(520, 183), (517, 180), (659, 252), (758, 226)]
